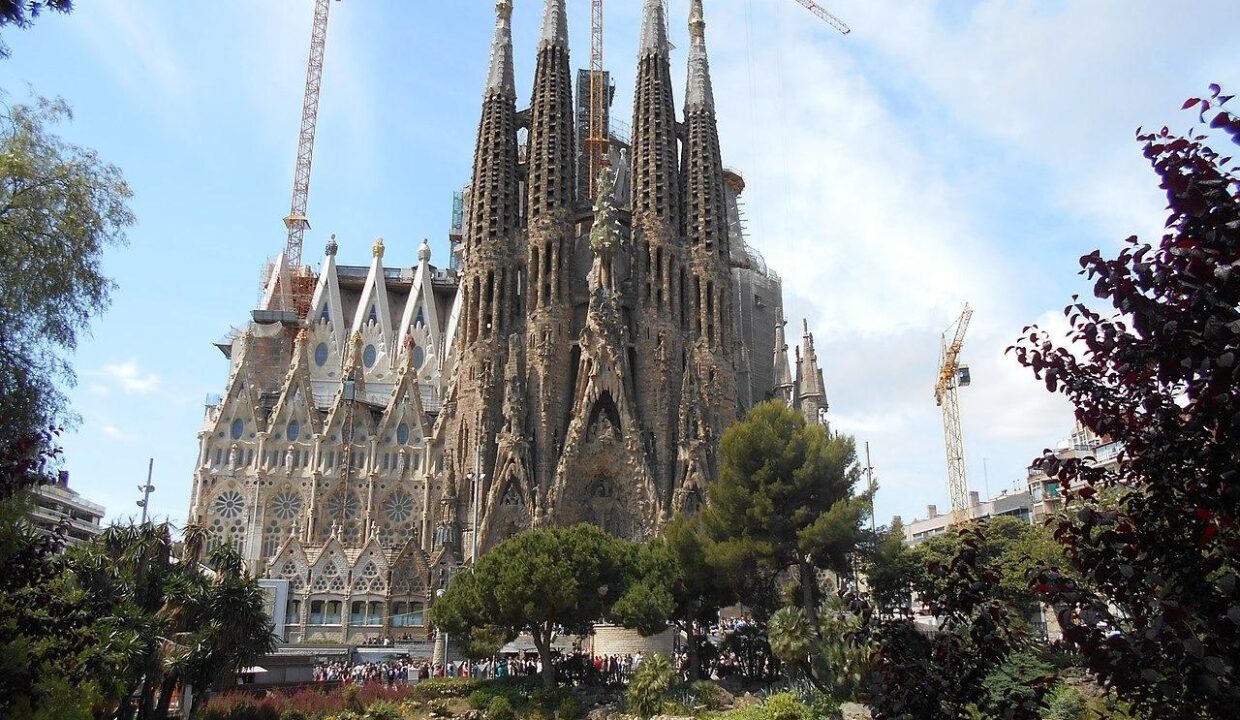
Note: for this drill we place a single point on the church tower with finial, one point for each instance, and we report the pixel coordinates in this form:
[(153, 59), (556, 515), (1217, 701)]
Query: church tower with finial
[(620, 341)]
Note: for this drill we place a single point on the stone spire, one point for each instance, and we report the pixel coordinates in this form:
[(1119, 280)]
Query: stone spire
[(555, 26), (490, 304), (706, 232), (812, 391), (783, 375), (550, 201), (658, 273), (551, 150), (699, 92), (500, 76), (654, 171), (654, 30)]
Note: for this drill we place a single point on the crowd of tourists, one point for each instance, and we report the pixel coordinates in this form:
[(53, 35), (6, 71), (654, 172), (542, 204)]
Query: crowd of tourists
[(576, 667)]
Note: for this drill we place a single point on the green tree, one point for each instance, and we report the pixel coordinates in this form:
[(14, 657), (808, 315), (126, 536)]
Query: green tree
[(784, 506), (60, 207), (164, 624), (1013, 547), (892, 569), (674, 582), (537, 581)]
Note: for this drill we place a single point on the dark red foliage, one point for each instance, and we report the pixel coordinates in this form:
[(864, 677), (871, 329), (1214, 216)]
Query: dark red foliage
[(918, 674), (1157, 617)]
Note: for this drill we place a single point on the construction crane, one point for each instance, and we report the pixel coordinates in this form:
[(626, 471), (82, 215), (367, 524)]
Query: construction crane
[(831, 20), (296, 287), (597, 142), (952, 376)]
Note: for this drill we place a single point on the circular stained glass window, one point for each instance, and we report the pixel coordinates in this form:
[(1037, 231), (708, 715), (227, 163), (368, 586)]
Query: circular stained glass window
[(320, 354), (369, 355), (344, 506), (294, 430), (286, 505), (399, 506), (419, 356), (402, 434), (238, 427), (228, 504)]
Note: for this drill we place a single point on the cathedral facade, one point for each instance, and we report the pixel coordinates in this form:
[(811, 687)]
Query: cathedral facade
[(577, 362)]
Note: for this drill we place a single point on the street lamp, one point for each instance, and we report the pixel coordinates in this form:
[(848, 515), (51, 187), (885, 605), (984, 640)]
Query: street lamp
[(438, 594), (146, 490)]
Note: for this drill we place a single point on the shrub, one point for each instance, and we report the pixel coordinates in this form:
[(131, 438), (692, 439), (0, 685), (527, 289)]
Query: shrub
[(1065, 703), (383, 710), (313, 705), (785, 706), (238, 706), (570, 708), (518, 692), (500, 709), (446, 688), (649, 685), (711, 695)]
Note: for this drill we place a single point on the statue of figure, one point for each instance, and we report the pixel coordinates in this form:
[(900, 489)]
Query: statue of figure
[(289, 456), (604, 235), (234, 456)]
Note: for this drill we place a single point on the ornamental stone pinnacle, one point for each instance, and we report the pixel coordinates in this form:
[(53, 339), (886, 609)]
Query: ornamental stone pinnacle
[(500, 77), (554, 26)]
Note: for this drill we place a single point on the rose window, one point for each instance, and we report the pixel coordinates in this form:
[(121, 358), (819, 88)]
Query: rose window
[(346, 505), (399, 506), (286, 505), (229, 504)]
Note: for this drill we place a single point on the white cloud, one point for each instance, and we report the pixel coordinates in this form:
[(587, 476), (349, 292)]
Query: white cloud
[(113, 432), (942, 153), (128, 377)]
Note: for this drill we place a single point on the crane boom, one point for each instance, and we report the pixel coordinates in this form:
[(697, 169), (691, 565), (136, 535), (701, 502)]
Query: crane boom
[(295, 293), (952, 376), (832, 20)]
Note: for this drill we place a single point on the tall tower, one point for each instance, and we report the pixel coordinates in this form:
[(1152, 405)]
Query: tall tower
[(706, 231), (491, 305), (549, 256), (659, 276)]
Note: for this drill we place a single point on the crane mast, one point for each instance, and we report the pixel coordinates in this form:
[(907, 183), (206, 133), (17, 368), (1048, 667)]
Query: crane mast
[(297, 287), (832, 20), (597, 141), (952, 376)]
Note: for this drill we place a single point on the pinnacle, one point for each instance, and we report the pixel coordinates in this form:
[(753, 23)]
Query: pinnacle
[(699, 94), (555, 26), (654, 29), (500, 77)]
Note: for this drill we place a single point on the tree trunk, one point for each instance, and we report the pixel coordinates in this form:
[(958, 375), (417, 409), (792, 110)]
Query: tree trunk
[(691, 649), (542, 641), (165, 697), (809, 593)]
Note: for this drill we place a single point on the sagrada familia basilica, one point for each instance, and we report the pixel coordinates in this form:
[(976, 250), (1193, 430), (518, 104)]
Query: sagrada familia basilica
[(577, 361)]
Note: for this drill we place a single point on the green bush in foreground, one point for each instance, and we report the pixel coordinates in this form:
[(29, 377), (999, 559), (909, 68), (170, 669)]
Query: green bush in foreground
[(500, 709), (649, 686)]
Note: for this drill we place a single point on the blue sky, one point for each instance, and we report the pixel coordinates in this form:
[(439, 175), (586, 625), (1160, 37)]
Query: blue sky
[(944, 151)]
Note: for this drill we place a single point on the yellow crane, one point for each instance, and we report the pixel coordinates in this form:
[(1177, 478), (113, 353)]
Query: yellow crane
[(952, 376), (297, 286)]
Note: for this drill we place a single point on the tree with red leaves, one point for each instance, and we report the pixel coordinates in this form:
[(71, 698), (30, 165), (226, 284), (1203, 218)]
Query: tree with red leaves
[(1156, 613)]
